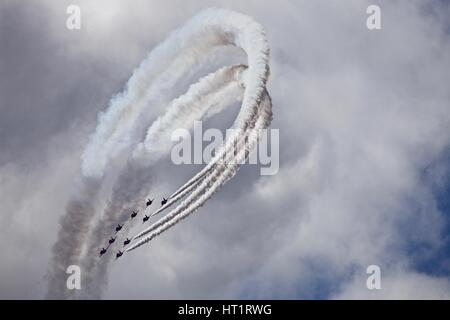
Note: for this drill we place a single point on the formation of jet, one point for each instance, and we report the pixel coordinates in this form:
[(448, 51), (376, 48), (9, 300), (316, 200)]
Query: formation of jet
[(134, 213), (119, 227)]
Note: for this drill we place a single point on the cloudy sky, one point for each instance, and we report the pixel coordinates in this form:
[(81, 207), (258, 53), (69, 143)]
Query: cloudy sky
[(364, 121)]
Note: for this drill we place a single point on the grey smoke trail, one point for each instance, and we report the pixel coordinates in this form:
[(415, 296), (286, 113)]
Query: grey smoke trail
[(128, 192), (74, 226)]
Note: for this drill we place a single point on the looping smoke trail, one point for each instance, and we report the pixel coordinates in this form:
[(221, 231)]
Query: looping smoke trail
[(213, 176), (121, 127), (167, 63)]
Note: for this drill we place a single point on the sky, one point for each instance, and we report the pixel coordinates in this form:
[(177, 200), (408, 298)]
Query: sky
[(364, 152)]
